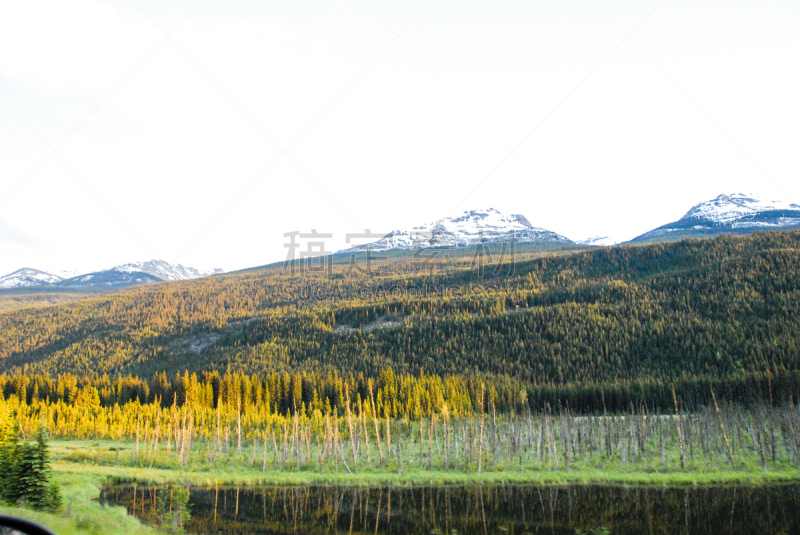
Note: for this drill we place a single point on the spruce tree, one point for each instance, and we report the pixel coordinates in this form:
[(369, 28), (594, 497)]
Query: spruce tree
[(28, 485), (51, 499), (26, 472)]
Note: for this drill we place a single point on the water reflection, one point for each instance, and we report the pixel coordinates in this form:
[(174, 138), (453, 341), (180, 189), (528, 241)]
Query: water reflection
[(447, 510)]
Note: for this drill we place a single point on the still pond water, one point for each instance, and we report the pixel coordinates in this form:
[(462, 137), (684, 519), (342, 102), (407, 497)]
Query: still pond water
[(504, 510)]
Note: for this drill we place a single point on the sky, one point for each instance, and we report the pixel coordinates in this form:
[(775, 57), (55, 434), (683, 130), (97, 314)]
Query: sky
[(200, 132)]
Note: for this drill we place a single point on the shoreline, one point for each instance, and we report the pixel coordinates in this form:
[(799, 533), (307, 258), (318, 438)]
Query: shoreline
[(433, 478)]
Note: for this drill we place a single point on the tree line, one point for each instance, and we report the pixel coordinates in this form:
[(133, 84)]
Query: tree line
[(390, 394)]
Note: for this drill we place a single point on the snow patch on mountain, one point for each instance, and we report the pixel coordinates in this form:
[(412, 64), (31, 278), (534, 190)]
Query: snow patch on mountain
[(735, 213), (28, 278), (727, 209), (164, 270), (597, 241), (467, 228)]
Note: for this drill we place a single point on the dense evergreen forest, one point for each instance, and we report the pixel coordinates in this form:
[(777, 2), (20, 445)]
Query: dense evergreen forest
[(632, 320)]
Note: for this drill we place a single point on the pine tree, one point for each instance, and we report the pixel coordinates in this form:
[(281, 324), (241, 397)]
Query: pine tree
[(27, 484), (27, 477), (51, 499)]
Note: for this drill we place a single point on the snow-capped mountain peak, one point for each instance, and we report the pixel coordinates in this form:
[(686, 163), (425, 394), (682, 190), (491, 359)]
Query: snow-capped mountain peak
[(164, 270), (466, 228), (27, 277), (735, 213), (477, 221), (728, 208)]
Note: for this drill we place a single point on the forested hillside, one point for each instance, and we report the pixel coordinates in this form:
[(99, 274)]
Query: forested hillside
[(723, 309)]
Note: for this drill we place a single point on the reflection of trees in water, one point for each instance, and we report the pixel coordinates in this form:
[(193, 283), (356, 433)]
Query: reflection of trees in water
[(166, 507), (495, 509)]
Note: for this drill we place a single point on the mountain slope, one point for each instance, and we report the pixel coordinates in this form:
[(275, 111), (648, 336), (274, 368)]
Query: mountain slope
[(107, 280), (27, 278), (164, 270), (737, 213), (694, 310), (468, 228)]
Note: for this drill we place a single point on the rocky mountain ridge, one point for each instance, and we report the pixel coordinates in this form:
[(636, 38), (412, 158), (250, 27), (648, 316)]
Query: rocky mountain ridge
[(736, 213), (28, 277), (467, 228), (117, 277)]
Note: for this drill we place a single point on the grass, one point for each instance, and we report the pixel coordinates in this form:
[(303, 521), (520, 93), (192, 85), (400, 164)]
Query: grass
[(420, 477), (98, 458), (82, 513)]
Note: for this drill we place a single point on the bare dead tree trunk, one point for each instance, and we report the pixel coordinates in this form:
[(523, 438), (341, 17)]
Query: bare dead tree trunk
[(680, 430), (445, 423), (375, 421), (155, 438), (773, 445), (564, 440), (138, 424), (350, 427), (643, 437), (722, 428), (480, 444), (219, 435), (264, 462)]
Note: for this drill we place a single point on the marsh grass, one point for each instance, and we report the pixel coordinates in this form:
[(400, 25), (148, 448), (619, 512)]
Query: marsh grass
[(741, 443), (83, 467), (710, 446)]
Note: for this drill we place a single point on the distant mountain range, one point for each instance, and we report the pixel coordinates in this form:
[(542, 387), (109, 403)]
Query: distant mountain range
[(27, 278), (117, 277), (737, 213), (165, 271)]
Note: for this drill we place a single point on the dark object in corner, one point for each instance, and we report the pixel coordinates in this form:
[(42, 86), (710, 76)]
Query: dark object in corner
[(13, 524)]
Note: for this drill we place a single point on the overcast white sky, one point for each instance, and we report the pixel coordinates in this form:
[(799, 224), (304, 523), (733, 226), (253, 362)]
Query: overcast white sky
[(201, 132)]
